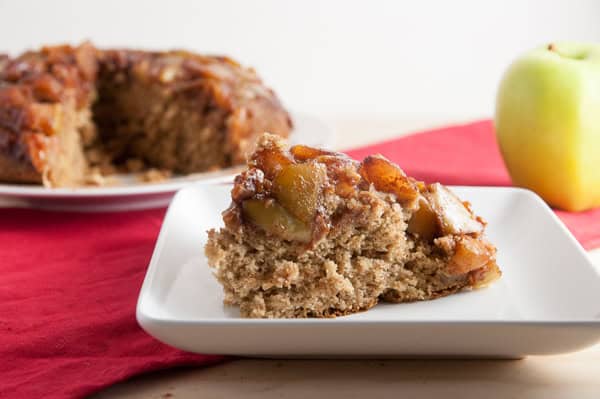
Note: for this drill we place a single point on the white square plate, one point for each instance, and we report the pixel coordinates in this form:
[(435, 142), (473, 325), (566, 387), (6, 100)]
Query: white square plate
[(547, 301)]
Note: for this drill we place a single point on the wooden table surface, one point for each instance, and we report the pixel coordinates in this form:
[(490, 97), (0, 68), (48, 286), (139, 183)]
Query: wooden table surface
[(574, 375)]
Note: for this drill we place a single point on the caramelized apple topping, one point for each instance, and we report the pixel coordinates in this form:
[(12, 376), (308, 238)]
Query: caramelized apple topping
[(389, 178), (424, 221), (249, 183), (470, 254), (455, 217), (341, 171), (303, 153), (270, 159), (282, 189), (340, 168), (275, 219), (483, 276), (297, 188)]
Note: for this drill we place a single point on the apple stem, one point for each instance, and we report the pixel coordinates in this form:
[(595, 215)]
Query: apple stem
[(573, 55)]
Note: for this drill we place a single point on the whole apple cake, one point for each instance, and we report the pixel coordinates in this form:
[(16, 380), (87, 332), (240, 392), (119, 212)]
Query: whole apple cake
[(69, 114), (313, 233)]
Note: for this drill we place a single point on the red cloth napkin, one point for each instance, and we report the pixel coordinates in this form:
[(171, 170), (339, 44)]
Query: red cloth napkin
[(468, 155), (68, 289), (69, 282)]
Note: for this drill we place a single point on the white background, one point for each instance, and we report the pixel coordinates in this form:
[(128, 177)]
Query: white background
[(396, 59)]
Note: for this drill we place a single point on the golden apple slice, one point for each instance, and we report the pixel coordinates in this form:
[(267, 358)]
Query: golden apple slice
[(271, 160), (454, 216), (342, 173), (274, 219), (304, 153), (485, 275), (297, 188), (470, 254), (388, 178), (424, 222)]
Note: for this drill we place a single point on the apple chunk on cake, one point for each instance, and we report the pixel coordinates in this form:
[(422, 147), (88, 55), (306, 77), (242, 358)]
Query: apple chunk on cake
[(313, 233)]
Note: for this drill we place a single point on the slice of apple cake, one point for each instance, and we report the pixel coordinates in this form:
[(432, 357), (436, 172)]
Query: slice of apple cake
[(313, 233)]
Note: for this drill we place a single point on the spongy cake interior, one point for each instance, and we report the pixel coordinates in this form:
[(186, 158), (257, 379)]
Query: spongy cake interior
[(179, 130)]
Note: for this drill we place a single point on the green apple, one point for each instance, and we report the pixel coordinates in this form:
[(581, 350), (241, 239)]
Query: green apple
[(548, 123)]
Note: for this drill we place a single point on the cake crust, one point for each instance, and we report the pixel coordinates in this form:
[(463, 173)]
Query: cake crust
[(312, 233), (67, 111)]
